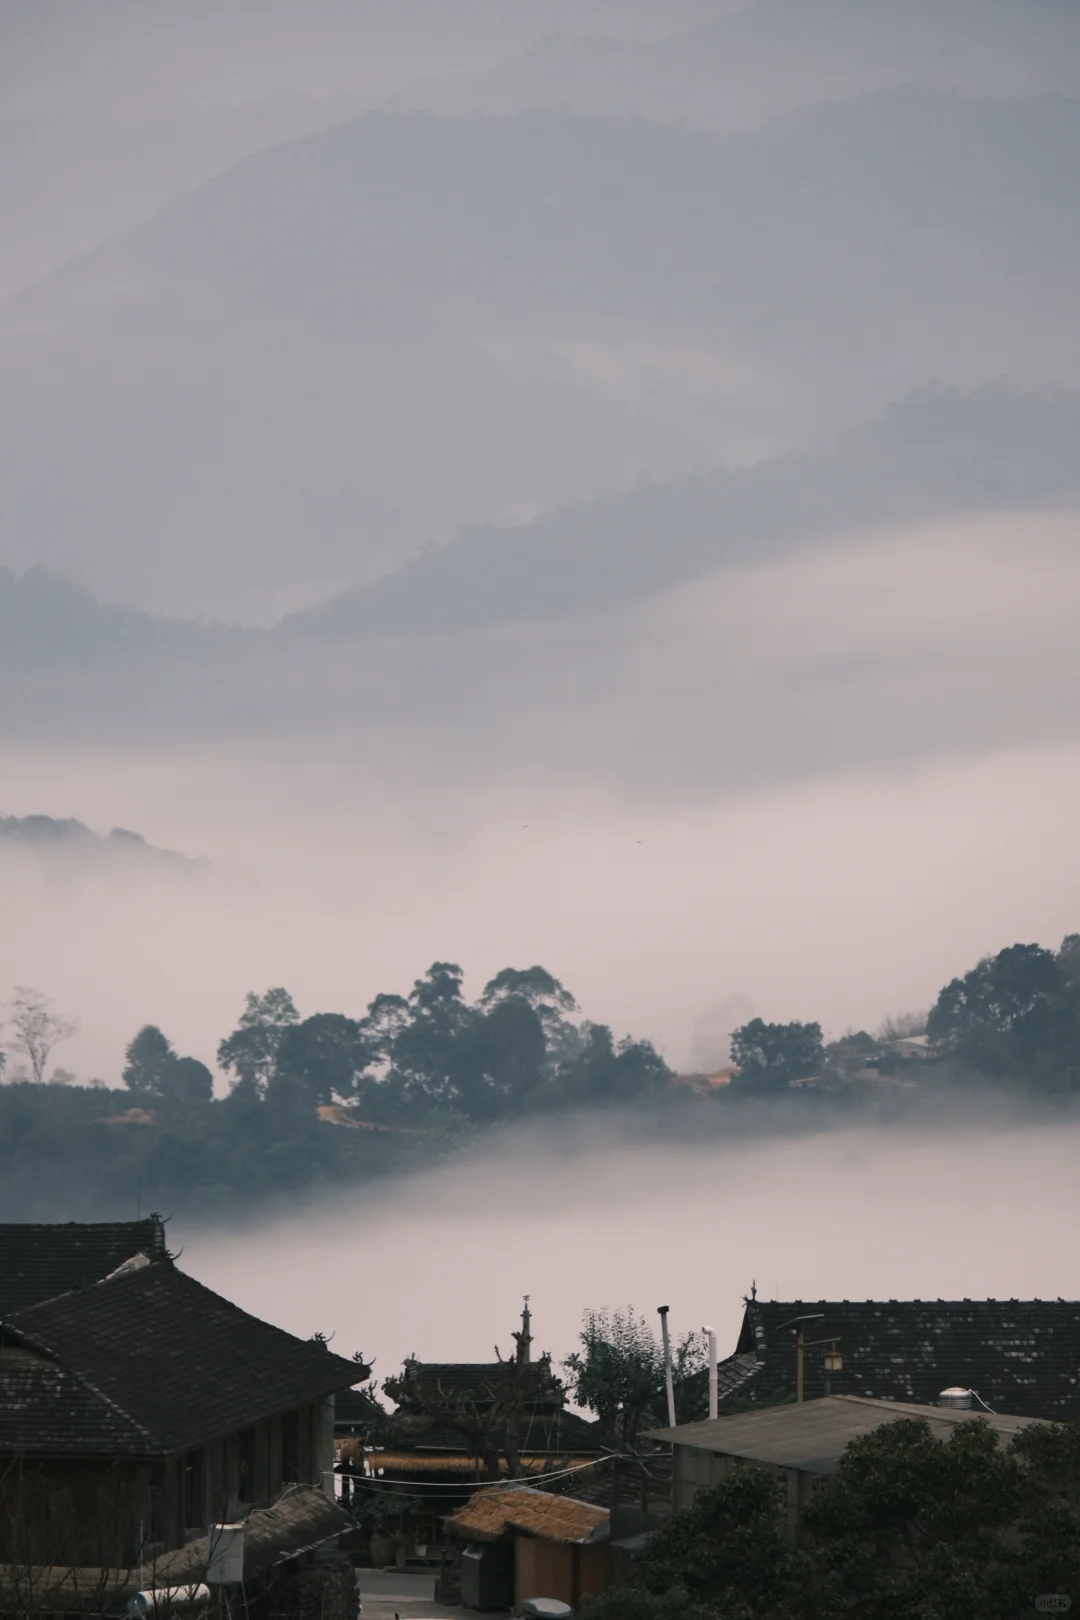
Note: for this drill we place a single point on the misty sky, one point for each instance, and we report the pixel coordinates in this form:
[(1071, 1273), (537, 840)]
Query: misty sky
[(911, 1213), (593, 484)]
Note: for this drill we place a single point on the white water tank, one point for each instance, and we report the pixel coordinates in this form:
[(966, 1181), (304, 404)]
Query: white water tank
[(959, 1399), (226, 1564)]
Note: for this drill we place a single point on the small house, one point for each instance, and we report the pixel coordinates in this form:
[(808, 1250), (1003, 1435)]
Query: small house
[(137, 1408), (800, 1443), (522, 1543), (458, 1423)]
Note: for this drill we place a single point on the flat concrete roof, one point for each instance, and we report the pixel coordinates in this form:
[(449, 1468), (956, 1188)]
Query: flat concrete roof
[(814, 1435)]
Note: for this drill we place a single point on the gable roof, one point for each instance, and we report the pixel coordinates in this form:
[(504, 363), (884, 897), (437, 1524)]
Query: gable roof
[(1022, 1356), (47, 1411), (734, 1376), (37, 1262), (302, 1518), (481, 1383), (813, 1436), (429, 1391), (491, 1512), (170, 1357)]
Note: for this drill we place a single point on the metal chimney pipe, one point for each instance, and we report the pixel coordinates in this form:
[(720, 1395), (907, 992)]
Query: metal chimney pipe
[(666, 1337), (714, 1381)]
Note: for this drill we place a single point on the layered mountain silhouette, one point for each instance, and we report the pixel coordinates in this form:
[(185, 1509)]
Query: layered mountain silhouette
[(778, 55), (938, 452), (409, 325), (49, 835)]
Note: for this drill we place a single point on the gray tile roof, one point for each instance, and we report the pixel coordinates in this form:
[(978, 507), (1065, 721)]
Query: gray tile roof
[(46, 1411), (813, 1436), (38, 1262), (299, 1521), (168, 1357), (1023, 1356), (475, 1389)]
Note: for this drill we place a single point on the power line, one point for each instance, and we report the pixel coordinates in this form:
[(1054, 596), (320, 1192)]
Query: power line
[(368, 1483)]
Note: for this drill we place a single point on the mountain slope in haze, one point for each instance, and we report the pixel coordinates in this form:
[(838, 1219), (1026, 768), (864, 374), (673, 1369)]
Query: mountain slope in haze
[(906, 592), (48, 836), (47, 620), (936, 453), (108, 112), (406, 325), (777, 55)]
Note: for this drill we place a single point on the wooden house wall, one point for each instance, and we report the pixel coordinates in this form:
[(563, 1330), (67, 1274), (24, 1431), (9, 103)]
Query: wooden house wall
[(696, 1470), (105, 1512), (54, 1511), (543, 1569), (554, 1569)]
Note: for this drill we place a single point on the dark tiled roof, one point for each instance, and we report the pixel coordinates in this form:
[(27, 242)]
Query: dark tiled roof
[(39, 1262), (1022, 1356), (474, 1389), (180, 1362), (479, 1383), (542, 1430), (734, 1376), (301, 1519), (45, 1410), (356, 1411)]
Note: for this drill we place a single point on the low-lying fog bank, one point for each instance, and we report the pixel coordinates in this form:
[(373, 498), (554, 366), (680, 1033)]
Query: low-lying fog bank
[(437, 1263)]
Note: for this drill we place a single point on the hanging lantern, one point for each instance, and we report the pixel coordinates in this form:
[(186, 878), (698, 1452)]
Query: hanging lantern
[(834, 1361)]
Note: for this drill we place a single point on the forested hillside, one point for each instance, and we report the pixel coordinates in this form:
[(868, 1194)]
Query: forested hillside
[(333, 1100)]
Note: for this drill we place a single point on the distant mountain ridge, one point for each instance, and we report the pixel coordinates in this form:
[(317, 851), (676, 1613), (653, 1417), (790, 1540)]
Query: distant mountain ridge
[(774, 56), (939, 452), (46, 617), (44, 834), (410, 325)]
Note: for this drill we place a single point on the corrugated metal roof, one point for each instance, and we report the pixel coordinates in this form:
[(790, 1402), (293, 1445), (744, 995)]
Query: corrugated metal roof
[(813, 1436)]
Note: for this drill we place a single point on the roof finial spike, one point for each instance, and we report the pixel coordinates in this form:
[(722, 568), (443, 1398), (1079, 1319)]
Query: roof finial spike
[(524, 1338)]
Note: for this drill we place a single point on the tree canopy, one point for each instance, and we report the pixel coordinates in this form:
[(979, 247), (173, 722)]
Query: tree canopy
[(906, 1525), (1016, 1014), (619, 1373), (770, 1057)]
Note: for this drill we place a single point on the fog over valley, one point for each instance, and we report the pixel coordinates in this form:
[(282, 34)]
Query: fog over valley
[(539, 563), (535, 1215)]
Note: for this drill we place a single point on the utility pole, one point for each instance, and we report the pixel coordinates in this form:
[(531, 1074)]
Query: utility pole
[(666, 1337), (800, 1346)]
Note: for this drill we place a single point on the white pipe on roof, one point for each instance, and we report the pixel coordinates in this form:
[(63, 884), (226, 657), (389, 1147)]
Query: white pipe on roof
[(714, 1382)]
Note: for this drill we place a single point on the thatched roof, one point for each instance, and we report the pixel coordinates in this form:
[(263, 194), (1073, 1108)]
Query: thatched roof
[(443, 1462), (492, 1512)]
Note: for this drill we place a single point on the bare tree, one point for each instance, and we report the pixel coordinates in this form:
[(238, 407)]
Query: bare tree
[(36, 1028), (902, 1026)]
